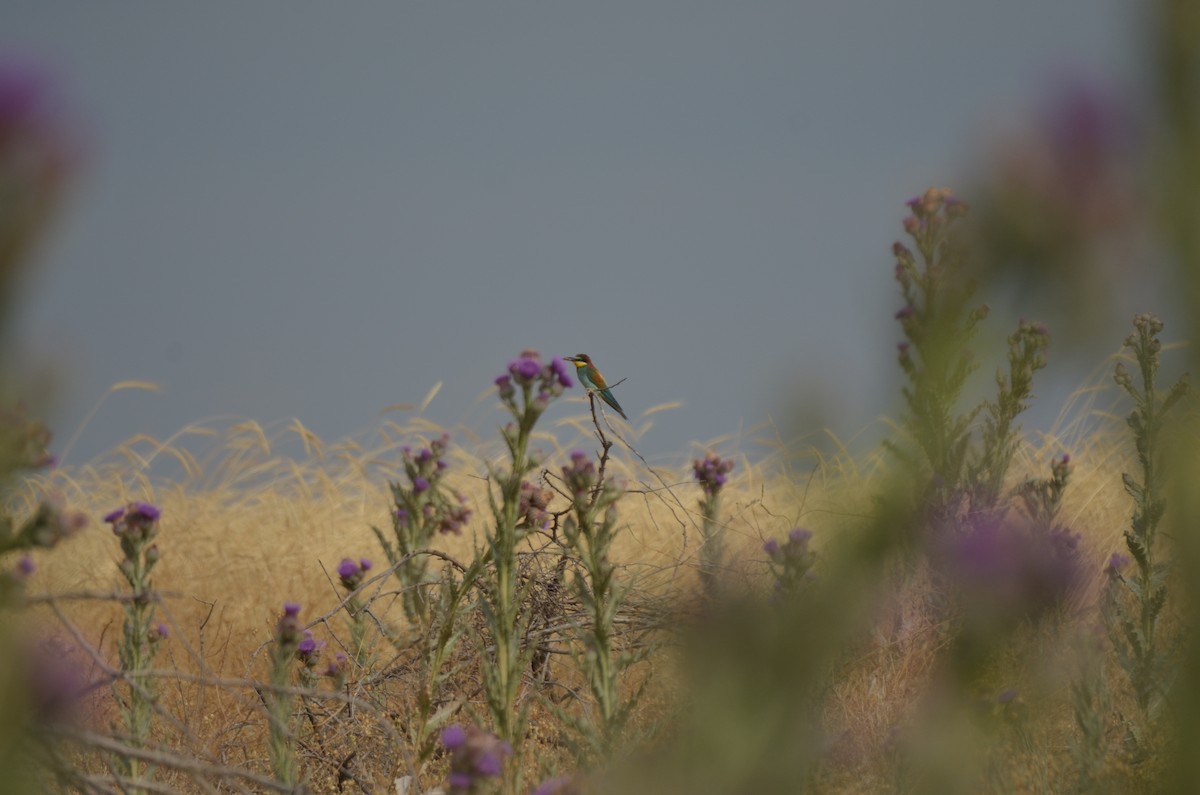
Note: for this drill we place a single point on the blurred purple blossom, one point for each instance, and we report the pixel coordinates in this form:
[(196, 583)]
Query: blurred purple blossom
[(1115, 563), (55, 680), (475, 755), (453, 737), (31, 123), (559, 785), (23, 94), (1005, 570)]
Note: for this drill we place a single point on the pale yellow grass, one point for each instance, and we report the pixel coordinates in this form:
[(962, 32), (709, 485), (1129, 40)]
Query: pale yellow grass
[(254, 516)]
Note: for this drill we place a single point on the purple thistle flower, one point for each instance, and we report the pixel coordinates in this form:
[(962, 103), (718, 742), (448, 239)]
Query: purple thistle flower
[(351, 573), (365, 564), (454, 518), (114, 516), (460, 781), (525, 368), (287, 631), (711, 472), (771, 547), (308, 650), (420, 484), (143, 511), (309, 646), (562, 371), (532, 504), (580, 475)]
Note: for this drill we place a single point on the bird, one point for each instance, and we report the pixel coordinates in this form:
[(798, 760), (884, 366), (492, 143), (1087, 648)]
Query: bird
[(591, 380)]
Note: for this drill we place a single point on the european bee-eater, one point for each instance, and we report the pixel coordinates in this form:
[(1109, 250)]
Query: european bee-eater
[(591, 379)]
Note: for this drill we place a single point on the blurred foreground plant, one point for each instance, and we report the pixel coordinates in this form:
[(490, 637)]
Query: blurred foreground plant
[(37, 687), (938, 325), (1133, 603), (475, 757)]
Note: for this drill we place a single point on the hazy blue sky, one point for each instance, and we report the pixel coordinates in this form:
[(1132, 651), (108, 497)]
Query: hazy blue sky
[(318, 210)]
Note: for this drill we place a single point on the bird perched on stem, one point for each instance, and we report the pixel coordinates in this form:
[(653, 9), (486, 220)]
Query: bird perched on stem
[(591, 379)]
